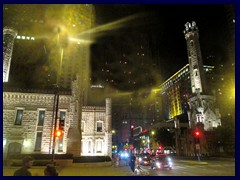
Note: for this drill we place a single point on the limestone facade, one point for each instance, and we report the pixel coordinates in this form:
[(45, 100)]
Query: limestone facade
[(28, 124)]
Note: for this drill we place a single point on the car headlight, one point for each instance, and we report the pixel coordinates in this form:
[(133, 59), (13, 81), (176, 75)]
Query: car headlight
[(126, 155), (158, 164)]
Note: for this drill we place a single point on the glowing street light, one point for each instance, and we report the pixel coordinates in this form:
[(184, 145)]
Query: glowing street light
[(153, 132)]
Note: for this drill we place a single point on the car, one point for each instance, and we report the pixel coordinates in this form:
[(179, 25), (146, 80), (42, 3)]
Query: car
[(145, 161), (162, 162), (124, 155)]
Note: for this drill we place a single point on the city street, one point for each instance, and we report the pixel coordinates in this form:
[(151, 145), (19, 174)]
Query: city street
[(216, 167), (197, 168)]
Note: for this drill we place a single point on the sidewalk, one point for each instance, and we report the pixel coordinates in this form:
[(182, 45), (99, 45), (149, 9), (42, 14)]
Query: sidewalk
[(121, 170)]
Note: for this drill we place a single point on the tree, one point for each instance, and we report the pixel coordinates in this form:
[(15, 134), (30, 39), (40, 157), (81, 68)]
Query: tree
[(165, 137), (222, 138)]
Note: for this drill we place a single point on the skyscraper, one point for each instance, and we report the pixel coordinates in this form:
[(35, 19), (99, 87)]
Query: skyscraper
[(39, 26), (9, 35)]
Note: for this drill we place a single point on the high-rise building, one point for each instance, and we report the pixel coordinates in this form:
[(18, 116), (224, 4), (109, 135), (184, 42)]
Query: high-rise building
[(9, 35), (45, 33), (186, 92), (46, 28), (176, 90)]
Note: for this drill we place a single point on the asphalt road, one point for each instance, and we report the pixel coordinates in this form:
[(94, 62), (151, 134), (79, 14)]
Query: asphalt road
[(182, 167), (221, 167)]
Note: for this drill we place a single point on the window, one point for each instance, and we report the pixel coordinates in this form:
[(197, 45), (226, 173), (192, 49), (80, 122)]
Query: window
[(60, 144), (62, 119), (196, 74), (62, 115), (99, 126), (38, 141), (19, 117), (89, 146), (99, 146), (191, 43), (41, 116)]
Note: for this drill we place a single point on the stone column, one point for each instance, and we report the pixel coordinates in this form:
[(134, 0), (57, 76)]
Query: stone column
[(109, 125)]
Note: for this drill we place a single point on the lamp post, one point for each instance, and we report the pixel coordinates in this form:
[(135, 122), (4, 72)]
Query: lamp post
[(56, 93)]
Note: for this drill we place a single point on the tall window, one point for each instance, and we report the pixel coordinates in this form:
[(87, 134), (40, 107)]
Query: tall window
[(38, 141), (62, 115), (89, 146), (99, 146), (60, 144), (19, 116), (41, 116), (99, 126), (62, 121)]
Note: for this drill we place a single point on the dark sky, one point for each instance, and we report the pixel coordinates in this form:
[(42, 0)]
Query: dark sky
[(140, 46), (165, 46)]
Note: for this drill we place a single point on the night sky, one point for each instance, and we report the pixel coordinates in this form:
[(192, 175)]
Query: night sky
[(140, 46), (165, 46)]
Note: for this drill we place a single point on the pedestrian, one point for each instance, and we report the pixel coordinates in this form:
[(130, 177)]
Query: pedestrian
[(117, 160), (132, 162), (50, 170), (24, 170)]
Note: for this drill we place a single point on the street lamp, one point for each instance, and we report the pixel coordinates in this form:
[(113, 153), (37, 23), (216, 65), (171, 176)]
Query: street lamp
[(153, 132), (57, 133)]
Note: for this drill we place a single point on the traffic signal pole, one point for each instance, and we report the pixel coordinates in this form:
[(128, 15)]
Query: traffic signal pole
[(55, 124), (197, 143)]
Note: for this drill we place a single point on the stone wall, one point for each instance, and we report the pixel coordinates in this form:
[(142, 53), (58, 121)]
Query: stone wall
[(22, 138)]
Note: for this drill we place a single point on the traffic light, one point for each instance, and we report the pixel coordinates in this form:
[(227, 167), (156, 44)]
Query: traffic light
[(160, 147), (58, 133), (132, 127), (197, 134)]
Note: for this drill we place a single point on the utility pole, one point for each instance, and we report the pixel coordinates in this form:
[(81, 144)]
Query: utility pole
[(56, 93)]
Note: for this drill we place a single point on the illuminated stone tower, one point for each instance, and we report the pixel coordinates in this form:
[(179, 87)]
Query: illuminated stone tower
[(9, 35), (202, 107), (194, 58)]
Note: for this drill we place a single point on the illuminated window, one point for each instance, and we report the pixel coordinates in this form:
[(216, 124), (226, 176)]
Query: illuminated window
[(38, 141), (99, 146), (19, 116)]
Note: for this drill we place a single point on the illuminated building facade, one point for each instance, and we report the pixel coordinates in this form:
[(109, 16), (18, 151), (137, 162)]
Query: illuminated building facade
[(195, 58), (28, 115), (186, 91), (176, 90), (28, 118), (36, 26)]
